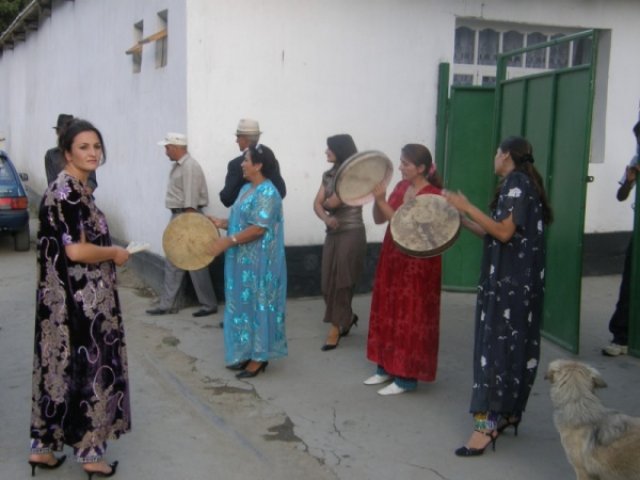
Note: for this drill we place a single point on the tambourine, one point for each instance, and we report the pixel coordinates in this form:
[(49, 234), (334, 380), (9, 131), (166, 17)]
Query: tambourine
[(359, 173), (186, 240), (425, 226)]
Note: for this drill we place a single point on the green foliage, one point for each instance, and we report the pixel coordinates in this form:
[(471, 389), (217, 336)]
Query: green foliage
[(9, 10)]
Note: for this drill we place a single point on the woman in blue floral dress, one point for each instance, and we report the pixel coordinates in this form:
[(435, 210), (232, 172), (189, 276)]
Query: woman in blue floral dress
[(80, 374), (255, 271), (510, 294)]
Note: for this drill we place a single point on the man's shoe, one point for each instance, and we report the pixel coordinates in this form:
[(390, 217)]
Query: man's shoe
[(614, 349), (158, 311), (204, 312)]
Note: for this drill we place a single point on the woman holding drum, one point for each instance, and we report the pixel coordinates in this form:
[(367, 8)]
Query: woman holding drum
[(255, 272), (405, 305), (344, 246), (510, 292)]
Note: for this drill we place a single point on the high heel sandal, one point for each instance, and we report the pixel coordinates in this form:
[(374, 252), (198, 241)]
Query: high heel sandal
[(354, 323), (331, 346), (465, 451), (113, 466), (45, 465), (239, 366), (509, 422), (251, 374)]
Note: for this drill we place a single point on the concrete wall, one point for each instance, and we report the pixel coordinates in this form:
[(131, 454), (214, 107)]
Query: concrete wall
[(305, 69), (76, 63)]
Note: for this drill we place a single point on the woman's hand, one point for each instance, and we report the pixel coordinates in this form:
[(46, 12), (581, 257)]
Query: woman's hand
[(121, 256), (458, 200), (331, 223), (219, 246), (219, 222), (379, 192)]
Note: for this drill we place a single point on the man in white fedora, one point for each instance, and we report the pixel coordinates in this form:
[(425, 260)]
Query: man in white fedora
[(186, 192), (247, 135)]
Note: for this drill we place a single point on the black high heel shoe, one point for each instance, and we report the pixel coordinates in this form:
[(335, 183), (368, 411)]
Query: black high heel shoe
[(509, 422), (239, 365), (474, 452), (113, 466), (249, 374), (354, 323), (45, 465)]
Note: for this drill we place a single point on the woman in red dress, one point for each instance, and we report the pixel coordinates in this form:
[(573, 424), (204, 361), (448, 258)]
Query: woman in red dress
[(405, 306)]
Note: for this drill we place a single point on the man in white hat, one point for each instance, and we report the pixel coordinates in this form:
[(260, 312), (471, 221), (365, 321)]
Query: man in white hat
[(186, 192), (247, 135)]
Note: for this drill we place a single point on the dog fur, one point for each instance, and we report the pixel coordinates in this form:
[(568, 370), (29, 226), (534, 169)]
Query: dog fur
[(600, 443)]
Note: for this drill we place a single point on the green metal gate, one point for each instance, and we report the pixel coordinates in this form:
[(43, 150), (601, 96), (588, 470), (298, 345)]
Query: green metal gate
[(553, 111), (469, 147)]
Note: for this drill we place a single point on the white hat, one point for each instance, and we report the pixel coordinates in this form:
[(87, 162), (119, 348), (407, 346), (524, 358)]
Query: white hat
[(172, 138), (247, 126)]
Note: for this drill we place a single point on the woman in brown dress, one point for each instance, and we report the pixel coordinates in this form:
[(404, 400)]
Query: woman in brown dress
[(344, 246)]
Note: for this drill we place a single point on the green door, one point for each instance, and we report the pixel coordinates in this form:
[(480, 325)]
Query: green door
[(469, 149), (553, 111)]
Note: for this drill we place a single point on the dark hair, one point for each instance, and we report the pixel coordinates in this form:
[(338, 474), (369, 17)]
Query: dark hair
[(636, 129), (420, 155), (75, 127), (342, 146), (521, 153), (261, 154)]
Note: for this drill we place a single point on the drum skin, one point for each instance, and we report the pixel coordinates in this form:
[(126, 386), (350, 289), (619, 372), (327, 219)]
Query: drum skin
[(359, 173), (186, 239), (425, 226)]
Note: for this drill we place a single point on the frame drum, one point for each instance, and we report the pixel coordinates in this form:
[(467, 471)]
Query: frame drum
[(186, 238), (359, 173), (425, 226)]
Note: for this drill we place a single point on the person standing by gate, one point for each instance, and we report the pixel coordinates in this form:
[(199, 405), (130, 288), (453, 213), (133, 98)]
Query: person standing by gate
[(510, 292), (619, 323)]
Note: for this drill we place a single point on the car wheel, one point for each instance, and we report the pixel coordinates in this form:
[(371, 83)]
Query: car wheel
[(22, 240)]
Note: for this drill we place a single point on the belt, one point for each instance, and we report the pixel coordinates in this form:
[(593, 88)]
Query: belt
[(181, 210)]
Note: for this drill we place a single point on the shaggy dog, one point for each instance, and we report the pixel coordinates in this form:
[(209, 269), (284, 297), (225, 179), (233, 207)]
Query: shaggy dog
[(600, 443)]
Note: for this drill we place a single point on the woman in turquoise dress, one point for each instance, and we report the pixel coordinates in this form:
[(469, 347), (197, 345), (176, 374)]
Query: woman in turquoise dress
[(255, 272)]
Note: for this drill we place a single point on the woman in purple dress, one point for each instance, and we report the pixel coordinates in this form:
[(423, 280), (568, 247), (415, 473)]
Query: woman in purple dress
[(80, 380)]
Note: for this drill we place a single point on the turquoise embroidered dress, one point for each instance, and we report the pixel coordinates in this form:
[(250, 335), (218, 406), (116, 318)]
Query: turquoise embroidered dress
[(255, 276)]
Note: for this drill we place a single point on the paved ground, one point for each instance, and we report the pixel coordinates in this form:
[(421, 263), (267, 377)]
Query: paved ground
[(309, 416)]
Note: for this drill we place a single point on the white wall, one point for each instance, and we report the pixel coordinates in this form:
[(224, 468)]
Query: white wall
[(304, 69), (76, 63), (310, 69)]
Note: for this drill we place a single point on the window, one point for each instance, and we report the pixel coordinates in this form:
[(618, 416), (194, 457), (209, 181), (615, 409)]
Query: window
[(465, 45), (536, 59), (513, 40), (136, 54), (582, 51), (162, 42), (460, 79), (488, 47), (478, 44)]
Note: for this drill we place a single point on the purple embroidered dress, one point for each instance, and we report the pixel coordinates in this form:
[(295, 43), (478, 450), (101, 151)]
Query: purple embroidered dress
[(80, 380)]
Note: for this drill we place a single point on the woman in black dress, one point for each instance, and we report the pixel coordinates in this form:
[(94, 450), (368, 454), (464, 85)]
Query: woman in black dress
[(80, 380), (510, 293)]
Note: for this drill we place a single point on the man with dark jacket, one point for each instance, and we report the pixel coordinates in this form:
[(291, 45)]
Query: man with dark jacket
[(247, 135)]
